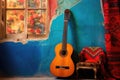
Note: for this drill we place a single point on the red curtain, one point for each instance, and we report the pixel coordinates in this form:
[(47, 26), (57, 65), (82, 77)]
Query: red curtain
[(112, 36), (112, 22)]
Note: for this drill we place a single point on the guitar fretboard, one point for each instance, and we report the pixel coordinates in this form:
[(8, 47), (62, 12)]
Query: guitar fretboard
[(64, 42), (66, 18)]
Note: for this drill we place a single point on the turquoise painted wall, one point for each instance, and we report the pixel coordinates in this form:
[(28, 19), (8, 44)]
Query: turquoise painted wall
[(85, 28)]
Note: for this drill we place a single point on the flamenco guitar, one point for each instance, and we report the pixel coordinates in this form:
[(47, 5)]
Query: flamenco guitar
[(62, 65)]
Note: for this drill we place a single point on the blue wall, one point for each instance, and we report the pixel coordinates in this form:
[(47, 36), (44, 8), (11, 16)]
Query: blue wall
[(33, 58)]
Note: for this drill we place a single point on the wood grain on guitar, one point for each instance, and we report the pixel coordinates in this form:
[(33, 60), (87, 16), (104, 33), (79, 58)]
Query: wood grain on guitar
[(62, 65)]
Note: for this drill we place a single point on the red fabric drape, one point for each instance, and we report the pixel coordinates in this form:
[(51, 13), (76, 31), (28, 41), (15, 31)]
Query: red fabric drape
[(112, 22), (112, 36), (91, 54)]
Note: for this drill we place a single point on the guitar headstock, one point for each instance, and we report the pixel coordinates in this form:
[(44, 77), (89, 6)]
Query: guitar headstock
[(67, 14)]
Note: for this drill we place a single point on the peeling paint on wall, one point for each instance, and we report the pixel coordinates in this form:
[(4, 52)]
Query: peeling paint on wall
[(65, 4)]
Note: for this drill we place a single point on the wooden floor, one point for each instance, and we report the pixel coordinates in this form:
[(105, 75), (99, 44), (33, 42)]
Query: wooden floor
[(21, 78), (39, 79)]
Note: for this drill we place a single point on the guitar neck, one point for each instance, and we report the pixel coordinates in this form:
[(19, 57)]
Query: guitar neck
[(66, 18), (64, 42)]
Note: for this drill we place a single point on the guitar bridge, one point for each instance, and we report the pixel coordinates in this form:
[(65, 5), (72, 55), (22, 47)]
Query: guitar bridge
[(63, 67)]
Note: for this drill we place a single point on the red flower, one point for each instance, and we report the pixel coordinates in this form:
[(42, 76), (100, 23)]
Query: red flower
[(31, 11), (30, 30), (15, 12), (10, 19), (8, 30), (32, 22), (37, 31), (21, 1), (35, 15), (37, 1), (21, 17)]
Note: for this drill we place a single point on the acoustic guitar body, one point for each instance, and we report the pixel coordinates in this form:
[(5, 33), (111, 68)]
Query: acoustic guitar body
[(62, 65)]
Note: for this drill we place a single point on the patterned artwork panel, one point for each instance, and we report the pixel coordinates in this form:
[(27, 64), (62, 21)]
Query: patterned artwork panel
[(15, 21), (36, 21), (15, 3), (37, 3)]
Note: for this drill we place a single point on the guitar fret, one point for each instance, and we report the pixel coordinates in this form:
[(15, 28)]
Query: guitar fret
[(65, 20)]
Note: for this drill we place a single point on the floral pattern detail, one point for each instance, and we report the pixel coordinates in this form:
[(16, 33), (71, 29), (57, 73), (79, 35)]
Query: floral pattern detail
[(15, 3), (36, 22), (35, 16), (15, 21)]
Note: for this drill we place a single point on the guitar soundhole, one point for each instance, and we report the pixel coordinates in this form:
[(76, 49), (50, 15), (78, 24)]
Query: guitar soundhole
[(63, 52)]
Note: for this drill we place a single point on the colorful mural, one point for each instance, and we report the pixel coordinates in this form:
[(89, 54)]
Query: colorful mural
[(15, 22), (27, 16), (33, 58)]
